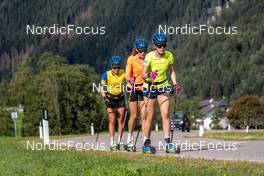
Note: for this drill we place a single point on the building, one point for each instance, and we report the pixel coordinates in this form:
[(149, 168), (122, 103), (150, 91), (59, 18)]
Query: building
[(208, 107)]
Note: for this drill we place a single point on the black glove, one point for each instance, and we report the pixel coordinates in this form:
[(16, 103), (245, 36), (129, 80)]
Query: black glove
[(107, 101)]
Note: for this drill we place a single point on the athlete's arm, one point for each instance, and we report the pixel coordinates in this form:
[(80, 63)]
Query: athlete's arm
[(145, 72), (103, 85), (172, 74), (128, 70), (103, 92)]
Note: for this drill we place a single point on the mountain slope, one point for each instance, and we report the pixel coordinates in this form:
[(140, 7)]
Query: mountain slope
[(207, 65)]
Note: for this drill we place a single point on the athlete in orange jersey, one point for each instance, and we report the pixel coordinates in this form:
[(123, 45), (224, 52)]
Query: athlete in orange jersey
[(134, 68)]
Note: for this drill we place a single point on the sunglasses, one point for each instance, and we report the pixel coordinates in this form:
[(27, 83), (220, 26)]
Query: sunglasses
[(141, 51), (162, 46), (116, 67)]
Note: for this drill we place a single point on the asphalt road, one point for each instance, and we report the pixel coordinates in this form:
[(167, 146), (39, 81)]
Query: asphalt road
[(251, 150)]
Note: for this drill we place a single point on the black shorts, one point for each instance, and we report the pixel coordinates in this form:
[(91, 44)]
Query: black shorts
[(136, 95), (155, 92), (117, 103)]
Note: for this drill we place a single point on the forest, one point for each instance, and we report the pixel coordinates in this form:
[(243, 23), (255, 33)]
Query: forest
[(207, 66)]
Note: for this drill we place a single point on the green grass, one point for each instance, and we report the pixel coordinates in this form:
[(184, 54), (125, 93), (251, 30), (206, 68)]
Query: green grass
[(17, 160), (232, 135), (67, 136), (57, 137)]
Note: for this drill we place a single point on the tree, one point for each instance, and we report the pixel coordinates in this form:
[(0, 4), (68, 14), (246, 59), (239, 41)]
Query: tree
[(65, 90), (6, 123), (247, 110), (19, 83), (207, 65)]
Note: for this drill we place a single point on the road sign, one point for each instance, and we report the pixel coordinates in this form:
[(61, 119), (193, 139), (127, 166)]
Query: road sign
[(14, 115)]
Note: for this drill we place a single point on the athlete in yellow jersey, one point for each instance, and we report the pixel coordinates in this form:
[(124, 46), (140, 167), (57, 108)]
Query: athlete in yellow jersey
[(157, 88), (112, 83), (134, 68)]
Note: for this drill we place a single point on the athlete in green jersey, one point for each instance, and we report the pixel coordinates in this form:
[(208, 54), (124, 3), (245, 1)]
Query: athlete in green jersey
[(157, 88)]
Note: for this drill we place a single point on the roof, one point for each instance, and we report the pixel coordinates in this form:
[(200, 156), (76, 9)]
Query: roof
[(206, 106)]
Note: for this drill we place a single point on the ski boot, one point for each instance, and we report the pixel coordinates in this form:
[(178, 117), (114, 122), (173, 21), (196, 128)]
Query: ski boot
[(147, 148)]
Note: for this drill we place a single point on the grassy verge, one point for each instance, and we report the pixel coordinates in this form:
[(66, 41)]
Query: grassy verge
[(231, 135), (17, 160), (59, 137)]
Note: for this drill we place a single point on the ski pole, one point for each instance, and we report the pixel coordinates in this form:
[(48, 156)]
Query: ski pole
[(101, 126), (176, 101), (123, 126), (144, 105), (140, 126)]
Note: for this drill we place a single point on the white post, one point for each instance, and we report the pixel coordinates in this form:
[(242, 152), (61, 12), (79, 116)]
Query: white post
[(247, 128), (45, 126), (201, 128), (92, 129), (229, 127), (14, 117), (40, 131), (15, 128), (157, 127)]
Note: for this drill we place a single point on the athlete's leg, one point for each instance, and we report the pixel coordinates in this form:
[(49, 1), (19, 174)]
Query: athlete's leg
[(150, 115), (120, 119), (164, 103), (132, 120), (111, 125), (133, 116), (143, 116)]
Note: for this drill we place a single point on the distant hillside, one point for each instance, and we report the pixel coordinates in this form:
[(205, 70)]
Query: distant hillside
[(207, 65)]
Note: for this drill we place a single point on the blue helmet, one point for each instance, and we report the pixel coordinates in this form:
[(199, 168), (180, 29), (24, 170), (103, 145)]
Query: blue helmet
[(141, 44), (159, 38), (116, 60)]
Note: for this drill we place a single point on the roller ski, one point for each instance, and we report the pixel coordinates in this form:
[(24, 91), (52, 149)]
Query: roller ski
[(119, 146), (147, 148), (130, 147), (170, 147), (113, 147)]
